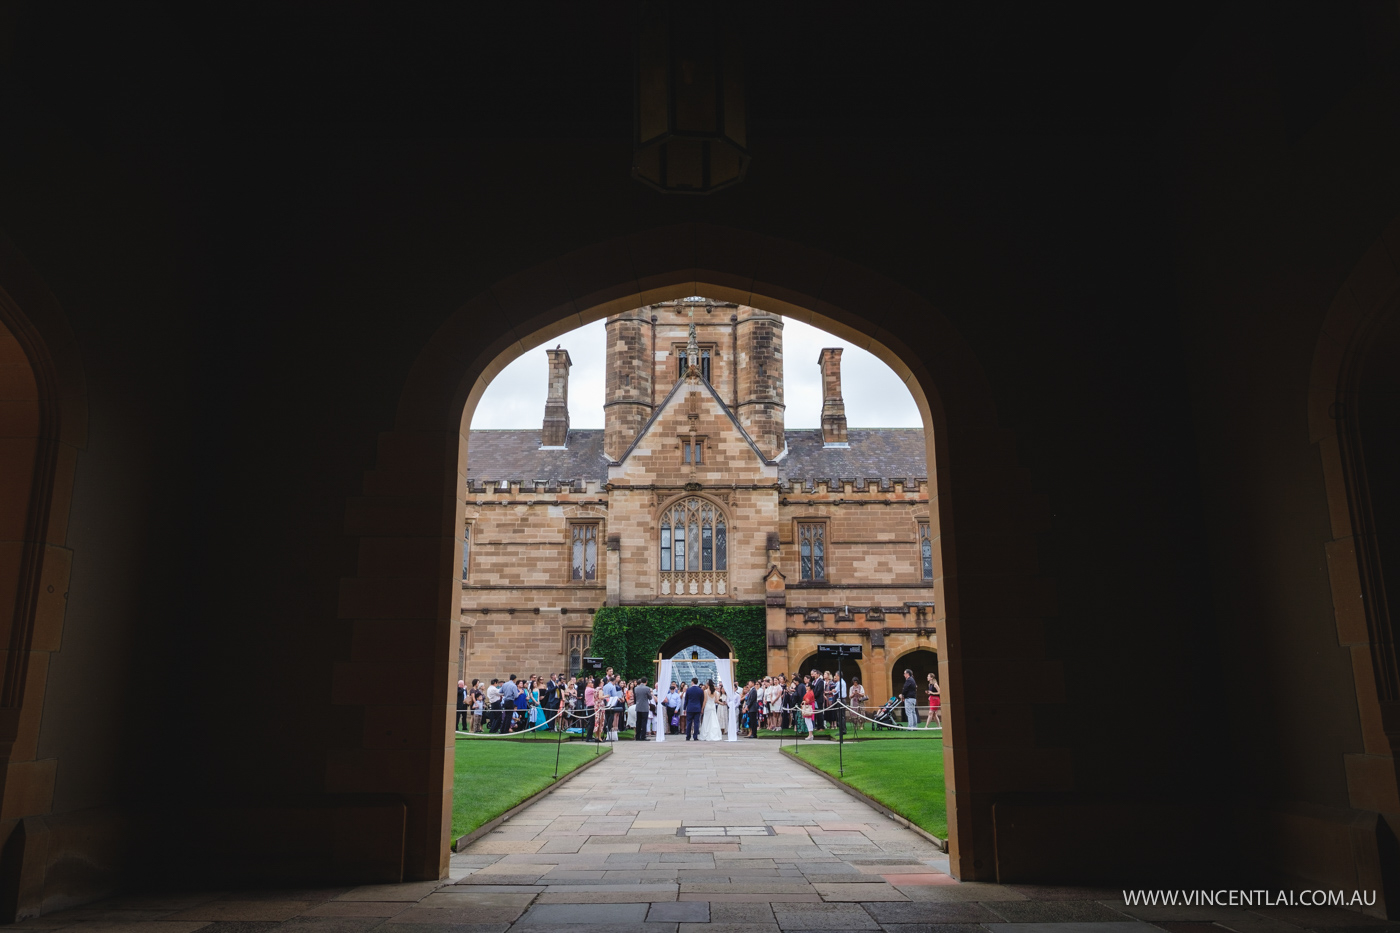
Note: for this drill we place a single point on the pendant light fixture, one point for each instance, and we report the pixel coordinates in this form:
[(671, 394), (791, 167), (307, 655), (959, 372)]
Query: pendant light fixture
[(689, 117)]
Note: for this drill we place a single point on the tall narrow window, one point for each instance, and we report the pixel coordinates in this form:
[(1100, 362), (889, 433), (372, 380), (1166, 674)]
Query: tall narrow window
[(579, 643), (811, 540), (707, 538), (462, 656), (925, 551), (666, 543), (721, 545), (584, 539), (466, 552), (685, 446), (705, 364)]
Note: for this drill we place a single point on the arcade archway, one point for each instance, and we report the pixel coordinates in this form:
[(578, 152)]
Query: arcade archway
[(922, 662), (817, 660), (960, 426)]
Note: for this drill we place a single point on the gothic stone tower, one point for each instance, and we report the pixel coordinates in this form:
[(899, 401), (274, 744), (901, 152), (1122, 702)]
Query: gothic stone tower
[(741, 356)]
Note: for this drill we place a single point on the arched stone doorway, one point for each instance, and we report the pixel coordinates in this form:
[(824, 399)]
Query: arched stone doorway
[(422, 459), (850, 668), (43, 425), (922, 661), (1354, 419), (691, 648)]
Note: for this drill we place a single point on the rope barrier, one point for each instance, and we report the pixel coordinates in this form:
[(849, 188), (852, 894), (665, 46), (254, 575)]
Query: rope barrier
[(533, 726), (887, 725), (621, 713)]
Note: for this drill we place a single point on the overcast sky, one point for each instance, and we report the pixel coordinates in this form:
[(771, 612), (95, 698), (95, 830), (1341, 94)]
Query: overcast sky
[(875, 397)]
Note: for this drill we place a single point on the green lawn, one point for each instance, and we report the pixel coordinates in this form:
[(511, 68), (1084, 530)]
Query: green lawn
[(907, 777), (493, 775)]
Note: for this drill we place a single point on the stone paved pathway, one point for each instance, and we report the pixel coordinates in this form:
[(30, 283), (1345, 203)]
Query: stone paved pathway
[(684, 838)]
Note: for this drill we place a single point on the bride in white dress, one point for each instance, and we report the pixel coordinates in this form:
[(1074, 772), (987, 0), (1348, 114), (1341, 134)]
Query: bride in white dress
[(709, 721)]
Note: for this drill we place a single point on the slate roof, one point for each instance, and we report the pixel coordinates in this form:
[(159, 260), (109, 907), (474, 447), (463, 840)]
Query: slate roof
[(516, 455), (875, 453)]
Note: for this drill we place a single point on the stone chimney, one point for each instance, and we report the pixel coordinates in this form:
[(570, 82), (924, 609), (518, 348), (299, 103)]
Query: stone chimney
[(556, 406), (833, 406)]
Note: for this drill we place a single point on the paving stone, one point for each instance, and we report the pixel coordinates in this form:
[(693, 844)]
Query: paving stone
[(729, 928), (812, 898), (1059, 911), (823, 917), (357, 909), (932, 928), (439, 899), (506, 913), (724, 911), (748, 887), (572, 915), (242, 910), (680, 912), (448, 928), (864, 891), (1126, 926), (330, 925), (566, 895), (174, 900), (500, 879), (413, 891), (924, 912), (1318, 918), (968, 891), (922, 878)]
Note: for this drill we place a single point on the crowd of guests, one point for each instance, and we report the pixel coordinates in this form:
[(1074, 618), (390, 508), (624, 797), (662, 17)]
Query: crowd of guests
[(600, 706)]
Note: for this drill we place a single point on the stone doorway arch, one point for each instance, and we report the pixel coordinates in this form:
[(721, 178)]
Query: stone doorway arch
[(696, 635), (415, 498), (1354, 420), (43, 425), (849, 667), (922, 661)]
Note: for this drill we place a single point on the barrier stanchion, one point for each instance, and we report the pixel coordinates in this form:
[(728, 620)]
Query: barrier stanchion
[(558, 744)]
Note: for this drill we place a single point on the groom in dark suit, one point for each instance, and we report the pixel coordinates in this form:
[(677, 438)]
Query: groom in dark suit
[(754, 706), (694, 706)]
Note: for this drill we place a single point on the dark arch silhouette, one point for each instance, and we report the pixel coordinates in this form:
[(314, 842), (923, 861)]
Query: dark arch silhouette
[(696, 635), (447, 379), (849, 668)]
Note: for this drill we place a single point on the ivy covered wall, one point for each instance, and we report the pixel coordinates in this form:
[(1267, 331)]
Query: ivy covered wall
[(628, 637)]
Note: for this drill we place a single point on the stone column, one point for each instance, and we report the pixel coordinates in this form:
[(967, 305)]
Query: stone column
[(614, 570), (775, 602)]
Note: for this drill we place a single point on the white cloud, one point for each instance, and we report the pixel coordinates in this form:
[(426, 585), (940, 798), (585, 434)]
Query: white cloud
[(875, 396)]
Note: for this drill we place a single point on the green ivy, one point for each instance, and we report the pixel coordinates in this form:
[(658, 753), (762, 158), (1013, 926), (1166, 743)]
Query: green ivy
[(629, 637)]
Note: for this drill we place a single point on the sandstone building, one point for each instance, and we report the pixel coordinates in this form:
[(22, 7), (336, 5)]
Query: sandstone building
[(696, 493)]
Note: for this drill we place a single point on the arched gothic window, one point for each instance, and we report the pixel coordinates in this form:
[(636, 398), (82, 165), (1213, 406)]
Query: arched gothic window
[(694, 542)]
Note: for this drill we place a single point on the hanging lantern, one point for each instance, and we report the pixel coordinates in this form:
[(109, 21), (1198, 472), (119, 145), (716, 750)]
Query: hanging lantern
[(689, 134)]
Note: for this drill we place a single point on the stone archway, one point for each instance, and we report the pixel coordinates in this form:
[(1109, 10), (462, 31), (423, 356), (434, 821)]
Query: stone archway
[(43, 425), (849, 667), (1356, 444), (922, 661), (696, 635), (415, 498)]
